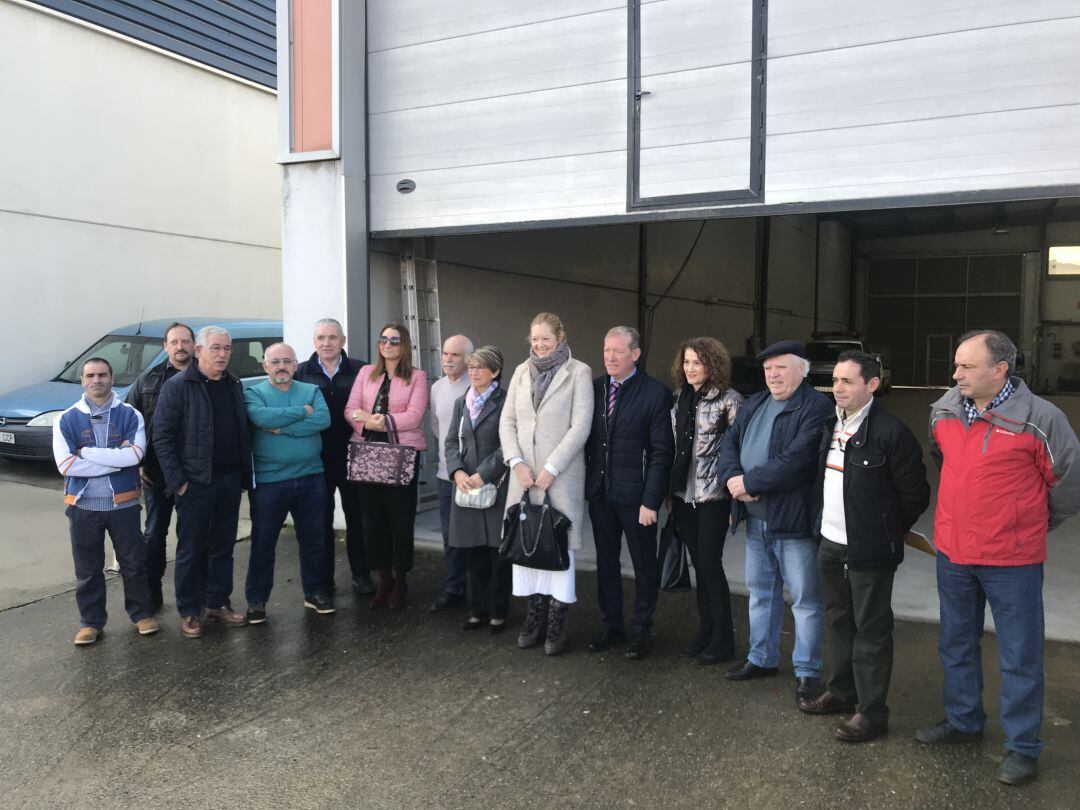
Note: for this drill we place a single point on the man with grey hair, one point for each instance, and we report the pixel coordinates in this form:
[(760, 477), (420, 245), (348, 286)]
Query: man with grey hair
[(628, 459), (1008, 475), (334, 372), (768, 462), (204, 450), (445, 391)]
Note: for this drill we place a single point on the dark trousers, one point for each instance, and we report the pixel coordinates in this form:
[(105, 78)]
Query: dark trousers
[(159, 511), (389, 515), (304, 498), (454, 558), (858, 630), (1015, 596), (703, 528), (610, 521), (88, 550), (354, 530), (206, 520), (490, 582)]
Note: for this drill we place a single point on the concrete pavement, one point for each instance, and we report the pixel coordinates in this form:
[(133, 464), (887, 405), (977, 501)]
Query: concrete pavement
[(378, 710)]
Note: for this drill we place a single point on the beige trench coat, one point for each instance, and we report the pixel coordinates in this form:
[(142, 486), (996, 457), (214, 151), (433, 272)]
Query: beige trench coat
[(554, 434)]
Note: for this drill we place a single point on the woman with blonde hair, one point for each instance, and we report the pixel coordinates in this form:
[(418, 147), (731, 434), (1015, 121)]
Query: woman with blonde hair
[(705, 405), (390, 390), (544, 426)]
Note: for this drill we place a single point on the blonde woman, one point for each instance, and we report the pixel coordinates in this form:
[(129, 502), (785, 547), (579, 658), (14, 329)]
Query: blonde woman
[(544, 426)]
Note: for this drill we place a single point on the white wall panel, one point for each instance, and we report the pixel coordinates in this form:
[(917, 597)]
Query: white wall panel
[(397, 23), (516, 117), (993, 108)]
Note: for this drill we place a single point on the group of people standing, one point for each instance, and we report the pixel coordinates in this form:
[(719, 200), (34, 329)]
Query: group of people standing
[(827, 491)]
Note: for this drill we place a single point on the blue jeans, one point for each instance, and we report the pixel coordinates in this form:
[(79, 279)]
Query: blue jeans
[(455, 559), (770, 565), (305, 499), (1015, 596)]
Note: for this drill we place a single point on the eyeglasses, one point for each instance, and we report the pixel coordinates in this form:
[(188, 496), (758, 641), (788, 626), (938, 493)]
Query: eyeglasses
[(393, 341), (219, 349)]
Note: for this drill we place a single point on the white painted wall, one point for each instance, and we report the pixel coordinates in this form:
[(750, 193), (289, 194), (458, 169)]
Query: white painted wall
[(130, 182), (517, 112)]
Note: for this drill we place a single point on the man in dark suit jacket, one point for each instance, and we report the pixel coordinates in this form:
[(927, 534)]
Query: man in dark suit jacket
[(334, 372), (628, 461)]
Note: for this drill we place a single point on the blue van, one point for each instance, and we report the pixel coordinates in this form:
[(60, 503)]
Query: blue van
[(27, 414)]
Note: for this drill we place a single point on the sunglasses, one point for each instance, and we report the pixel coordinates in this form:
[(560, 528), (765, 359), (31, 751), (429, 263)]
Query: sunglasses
[(393, 341)]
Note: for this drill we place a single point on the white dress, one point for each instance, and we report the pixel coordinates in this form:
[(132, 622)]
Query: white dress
[(560, 584)]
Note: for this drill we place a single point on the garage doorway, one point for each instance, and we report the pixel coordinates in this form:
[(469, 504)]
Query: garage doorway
[(918, 307)]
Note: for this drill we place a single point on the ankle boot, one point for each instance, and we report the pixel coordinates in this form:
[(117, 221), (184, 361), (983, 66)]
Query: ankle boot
[(386, 584), (556, 629), (535, 622), (396, 600)]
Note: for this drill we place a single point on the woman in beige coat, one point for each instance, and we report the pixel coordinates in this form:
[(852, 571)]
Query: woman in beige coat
[(545, 423)]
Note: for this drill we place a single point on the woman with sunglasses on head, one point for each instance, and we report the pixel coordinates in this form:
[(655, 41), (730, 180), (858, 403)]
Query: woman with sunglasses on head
[(392, 388)]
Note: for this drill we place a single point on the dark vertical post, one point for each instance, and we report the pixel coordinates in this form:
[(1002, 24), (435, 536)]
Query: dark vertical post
[(642, 287), (817, 267), (761, 282)]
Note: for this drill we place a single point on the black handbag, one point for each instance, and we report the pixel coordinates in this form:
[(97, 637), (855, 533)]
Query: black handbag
[(672, 560), (536, 535)]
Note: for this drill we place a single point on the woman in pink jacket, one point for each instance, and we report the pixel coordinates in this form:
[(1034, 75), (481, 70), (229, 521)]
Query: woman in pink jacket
[(390, 386)]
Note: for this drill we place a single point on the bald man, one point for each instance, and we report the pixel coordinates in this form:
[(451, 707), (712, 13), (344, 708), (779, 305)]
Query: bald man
[(445, 391), (287, 418)]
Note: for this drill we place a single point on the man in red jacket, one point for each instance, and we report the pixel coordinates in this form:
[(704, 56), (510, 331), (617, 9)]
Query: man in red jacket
[(1008, 474)]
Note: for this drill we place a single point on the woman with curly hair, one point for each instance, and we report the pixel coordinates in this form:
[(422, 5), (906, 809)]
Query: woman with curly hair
[(705, 405)]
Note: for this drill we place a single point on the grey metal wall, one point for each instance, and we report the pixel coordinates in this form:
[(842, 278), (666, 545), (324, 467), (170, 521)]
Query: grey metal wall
[(237, 36)]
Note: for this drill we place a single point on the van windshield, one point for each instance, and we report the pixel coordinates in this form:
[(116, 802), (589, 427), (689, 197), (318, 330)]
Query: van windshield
[(129, 355)]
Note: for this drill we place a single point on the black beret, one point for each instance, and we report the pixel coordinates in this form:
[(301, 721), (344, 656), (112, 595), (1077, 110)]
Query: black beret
[(782, 347)]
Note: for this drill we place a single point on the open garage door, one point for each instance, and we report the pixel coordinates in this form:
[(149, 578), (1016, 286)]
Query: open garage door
[(918, 307)]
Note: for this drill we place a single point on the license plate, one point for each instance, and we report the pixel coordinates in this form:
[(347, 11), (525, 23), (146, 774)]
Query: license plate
[(825, 389), (7, 438)]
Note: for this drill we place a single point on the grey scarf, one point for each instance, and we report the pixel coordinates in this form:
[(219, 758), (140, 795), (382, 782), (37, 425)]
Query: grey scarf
[(542, 371)]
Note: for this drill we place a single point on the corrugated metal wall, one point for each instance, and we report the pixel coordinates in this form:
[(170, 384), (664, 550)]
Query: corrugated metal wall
[(237, 36)]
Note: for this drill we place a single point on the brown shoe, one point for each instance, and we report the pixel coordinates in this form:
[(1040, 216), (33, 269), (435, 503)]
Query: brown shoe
[(190, 627), (825, 703), (147, 626), (226, 615), (87, 636), (861, 728)]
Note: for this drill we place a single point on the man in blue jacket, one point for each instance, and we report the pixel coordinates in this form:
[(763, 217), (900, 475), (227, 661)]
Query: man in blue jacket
[(97, 444), (768, 462), (287, 417), (627, 474)]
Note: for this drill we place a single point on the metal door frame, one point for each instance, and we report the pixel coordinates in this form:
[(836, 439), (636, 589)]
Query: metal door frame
[(754, 192), (928, 339)]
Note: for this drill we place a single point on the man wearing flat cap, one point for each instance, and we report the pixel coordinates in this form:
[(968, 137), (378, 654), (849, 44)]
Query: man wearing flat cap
[(768, 462)]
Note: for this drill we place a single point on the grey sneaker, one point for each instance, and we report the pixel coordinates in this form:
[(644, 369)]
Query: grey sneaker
[(1017, 769), (535, 625), (556, 634), (945, 732)]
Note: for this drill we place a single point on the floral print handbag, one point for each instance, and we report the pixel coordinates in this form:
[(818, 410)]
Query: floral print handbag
[(387, 463)]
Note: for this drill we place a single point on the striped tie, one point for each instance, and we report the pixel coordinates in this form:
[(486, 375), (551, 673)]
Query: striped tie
[(613, 391)]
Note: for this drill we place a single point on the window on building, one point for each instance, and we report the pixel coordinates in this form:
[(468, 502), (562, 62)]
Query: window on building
[(1064, 260)]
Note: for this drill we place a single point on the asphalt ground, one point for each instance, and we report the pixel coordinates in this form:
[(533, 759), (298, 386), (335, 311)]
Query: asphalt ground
[(373, 709)]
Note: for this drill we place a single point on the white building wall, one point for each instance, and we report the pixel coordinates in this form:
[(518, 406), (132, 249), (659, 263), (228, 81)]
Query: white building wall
[(518, 112), (132, 183)]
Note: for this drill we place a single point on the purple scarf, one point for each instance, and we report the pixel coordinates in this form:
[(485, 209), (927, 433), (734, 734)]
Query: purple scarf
[(475, 402)]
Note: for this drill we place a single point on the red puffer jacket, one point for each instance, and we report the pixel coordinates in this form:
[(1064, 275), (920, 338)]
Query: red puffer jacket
[(1005, 480)]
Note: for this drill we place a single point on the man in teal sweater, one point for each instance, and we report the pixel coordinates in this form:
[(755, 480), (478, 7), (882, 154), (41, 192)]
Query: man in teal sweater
[(287, 417)]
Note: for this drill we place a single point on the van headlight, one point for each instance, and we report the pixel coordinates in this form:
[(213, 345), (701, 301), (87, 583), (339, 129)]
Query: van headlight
[(44, 419)]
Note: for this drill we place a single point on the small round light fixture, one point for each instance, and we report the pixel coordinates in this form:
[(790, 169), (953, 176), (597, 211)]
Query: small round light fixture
[(406, 186)]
